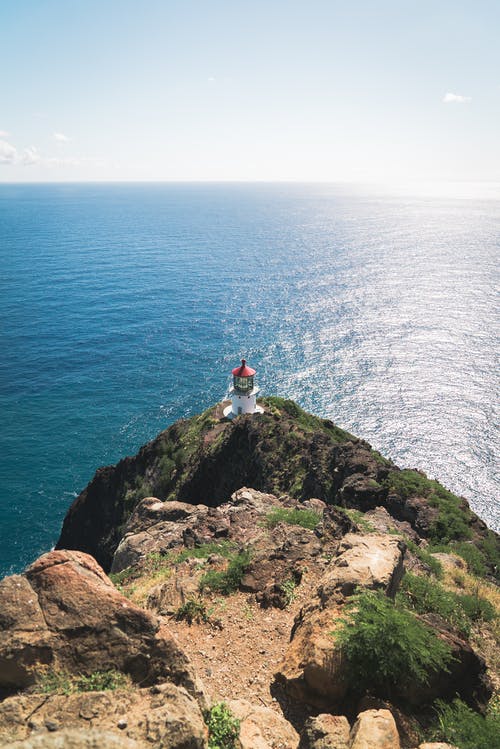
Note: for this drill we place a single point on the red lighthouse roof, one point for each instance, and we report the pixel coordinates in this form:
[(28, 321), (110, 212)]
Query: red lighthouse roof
[(243, 370)]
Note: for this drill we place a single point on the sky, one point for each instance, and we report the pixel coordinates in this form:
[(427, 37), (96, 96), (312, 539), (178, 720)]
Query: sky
[(317, 90)]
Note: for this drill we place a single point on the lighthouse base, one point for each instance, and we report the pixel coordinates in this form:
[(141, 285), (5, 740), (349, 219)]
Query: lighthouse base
[(228, 412)]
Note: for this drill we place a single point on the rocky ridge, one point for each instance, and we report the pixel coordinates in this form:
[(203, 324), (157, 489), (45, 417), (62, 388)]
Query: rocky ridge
[(226, 594)]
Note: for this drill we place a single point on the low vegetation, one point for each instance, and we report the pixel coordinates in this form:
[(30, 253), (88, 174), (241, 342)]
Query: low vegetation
[(226, 581), (223, 727), (359, 518), (386, 646), (193, 610), (304, 517), (61, 682), (460, 726), (424, 595)]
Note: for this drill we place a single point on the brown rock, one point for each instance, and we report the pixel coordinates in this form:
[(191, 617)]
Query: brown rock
[(375, 729), (325, 732), (371, 561), (73, 738), (436, 745), (67, 615), (262, 728), (165, 716)]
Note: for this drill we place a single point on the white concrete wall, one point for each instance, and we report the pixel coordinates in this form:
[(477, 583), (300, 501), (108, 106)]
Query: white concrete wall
[(246, 403)]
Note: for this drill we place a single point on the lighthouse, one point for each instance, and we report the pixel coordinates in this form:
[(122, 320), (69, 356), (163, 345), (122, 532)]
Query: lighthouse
[(243, 393)]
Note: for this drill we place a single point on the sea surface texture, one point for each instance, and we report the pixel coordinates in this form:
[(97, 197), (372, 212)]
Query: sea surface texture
[(125, 307)]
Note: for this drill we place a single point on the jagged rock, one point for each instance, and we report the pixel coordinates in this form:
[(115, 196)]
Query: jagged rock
[(312, 669), (262, 728), (325, 731), (71, 738), (165, 715), (66, 615), (375, 729), (371, 561)]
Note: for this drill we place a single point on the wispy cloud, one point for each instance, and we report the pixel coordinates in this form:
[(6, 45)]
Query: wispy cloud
[(9, 154), (61, 138), (4, 134), (450, 98)]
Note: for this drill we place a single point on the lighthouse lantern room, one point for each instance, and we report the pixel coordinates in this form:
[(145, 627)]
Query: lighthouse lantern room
[(243, 393)]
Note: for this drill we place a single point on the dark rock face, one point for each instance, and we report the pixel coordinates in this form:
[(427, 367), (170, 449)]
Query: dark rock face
[(204, 460), (66, 615)]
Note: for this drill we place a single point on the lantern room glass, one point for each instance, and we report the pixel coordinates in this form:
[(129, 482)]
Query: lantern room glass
[(243, 384)]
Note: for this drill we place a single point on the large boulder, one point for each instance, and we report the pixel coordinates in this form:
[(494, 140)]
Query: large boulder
[(164, 715), (375, 729), (325, 731), (65, 615), (312, 669), (261, 727)]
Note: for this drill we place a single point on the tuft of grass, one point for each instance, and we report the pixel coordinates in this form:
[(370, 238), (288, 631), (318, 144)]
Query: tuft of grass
[(387, 646), (458, 724), (289, 587), (223, 727), (226, 581), (358, 517), (61, 682), (222, 548), (192, 611), (298, 516)]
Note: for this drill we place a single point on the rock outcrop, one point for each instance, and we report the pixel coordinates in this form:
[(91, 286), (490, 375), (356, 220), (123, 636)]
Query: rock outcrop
[(163, 716), (66, 615)]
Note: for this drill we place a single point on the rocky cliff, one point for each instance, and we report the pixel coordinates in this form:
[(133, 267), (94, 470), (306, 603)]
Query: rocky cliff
[(339, 603)]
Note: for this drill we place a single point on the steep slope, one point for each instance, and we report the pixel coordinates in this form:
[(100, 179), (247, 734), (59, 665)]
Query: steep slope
[(283, 451)]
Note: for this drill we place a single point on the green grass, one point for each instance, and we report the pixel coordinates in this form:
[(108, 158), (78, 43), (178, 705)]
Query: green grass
[(297, 516), (425, 556), (61, 682), (203, 551), (223, 727), (226, 581), (460, 726), (304, 420), (289, 587), (424, 595), (452, 522), (192, 611), (387, 646), (358, 517)]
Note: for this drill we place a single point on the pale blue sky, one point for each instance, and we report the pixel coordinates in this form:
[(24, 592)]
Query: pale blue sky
[(363, 90)]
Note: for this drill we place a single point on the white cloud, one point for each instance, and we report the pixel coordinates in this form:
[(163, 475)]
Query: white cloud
[(60, 137), (450, 98), (4, 134), (8, 154)]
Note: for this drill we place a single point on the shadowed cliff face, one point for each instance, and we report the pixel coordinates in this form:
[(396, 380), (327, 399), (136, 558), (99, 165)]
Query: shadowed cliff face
[(203, 460)]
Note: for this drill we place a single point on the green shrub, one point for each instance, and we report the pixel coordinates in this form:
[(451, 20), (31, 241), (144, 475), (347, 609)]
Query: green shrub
[(288, 587), (433, 564), (452, 521), (192, 611), (386, 646), (477, 608), (226, 581), (61, 682), (457, 724), (298, 516), (424, 595), (223, 727)]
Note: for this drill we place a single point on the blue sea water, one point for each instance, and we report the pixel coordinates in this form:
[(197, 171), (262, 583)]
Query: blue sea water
[(125, 307)]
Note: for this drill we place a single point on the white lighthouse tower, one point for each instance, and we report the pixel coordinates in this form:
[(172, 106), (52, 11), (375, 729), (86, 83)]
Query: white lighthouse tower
[(243, 393)]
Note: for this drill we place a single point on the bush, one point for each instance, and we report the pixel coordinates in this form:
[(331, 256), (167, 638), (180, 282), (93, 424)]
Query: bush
[(386, 646), (457, 724), (477, 608), (425, 596), (226, 581), (303, 517), (223, 727), (192, 611)]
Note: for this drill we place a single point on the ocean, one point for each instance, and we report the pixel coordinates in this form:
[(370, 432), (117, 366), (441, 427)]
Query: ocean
[(124, 307)]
